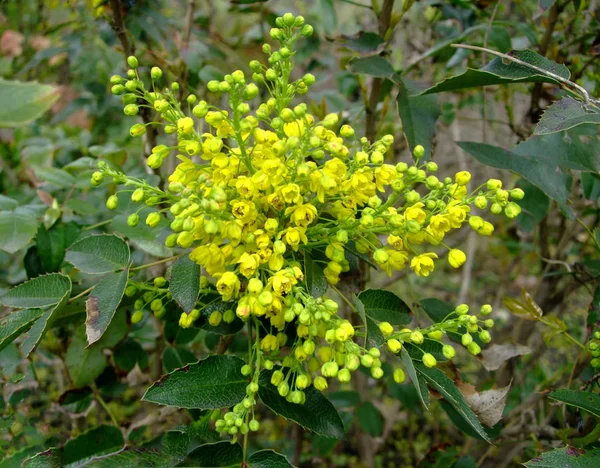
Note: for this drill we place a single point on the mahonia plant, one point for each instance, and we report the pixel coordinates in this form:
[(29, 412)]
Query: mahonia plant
[(262, 190)]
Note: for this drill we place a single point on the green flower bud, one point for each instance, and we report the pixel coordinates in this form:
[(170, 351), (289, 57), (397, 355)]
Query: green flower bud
[(283, 389), (115, 79), (132, 61), (307, 31), (496, 208), (486, 309), (137, 130), (376, 372), (112, 203), (131, 109), (97, 178), (418, 151), (137, 317), (309, 79), (431, 166), (429, 360), (462, 309), (481, 202), (133, 219), (344, 376), (517, 193), (130, 291), (512, 210), (399, 375), (448, 351), (474, 348), (153, 219), (466, 339), (416, 337), (485, 336)]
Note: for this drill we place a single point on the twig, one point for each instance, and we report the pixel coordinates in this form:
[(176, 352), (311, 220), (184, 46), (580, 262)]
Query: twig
[(484, 59)]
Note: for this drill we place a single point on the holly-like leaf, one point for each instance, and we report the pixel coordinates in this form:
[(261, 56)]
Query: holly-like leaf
[(176, 357), (503, 71), (317, 414), (373, 336), (364, 43), (212, 383), (39, 328), (375, 65), (23, 102), (384, 306), (370, 419), (51, 458), (223, 328), (184, 283), (43, 291), (85, 364), (221, 454), (17, 323), (419, 115), (268, 459), (316, 283), (96, 442), (102, 304), (17, 228), (129, 353), (588, 401), (99, 254), (568, 456), (444, 385), (417, 381), (551, 180), (565, 114)]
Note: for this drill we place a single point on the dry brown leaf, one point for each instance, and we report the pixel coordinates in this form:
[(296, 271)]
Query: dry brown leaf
[(487, 405), (496, 355)]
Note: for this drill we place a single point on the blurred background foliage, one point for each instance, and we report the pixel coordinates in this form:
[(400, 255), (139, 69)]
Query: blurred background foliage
[(540, 273)]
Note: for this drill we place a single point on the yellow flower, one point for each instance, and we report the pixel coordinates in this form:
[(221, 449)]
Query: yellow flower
[(439, 225), (243, 210), (248, 264), (456, 258), (384, 176), (245, 187), (415, 213), (295, 128), (291, 193), (293, 237), (457, 213), (269, 343), (302, 215), (423, 264), (228, 285)]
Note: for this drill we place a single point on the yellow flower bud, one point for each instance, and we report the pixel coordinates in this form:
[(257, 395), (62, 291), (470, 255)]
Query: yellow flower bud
[(429, 360), (456, 258)]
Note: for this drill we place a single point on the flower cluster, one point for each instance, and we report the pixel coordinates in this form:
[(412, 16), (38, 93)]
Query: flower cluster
[(593, 346), (262, 191)]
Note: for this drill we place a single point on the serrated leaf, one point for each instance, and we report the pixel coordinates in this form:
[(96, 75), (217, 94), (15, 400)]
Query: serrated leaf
[(565, 114), (96, 442), (444, 385), (419, 115), (220, 454), (422, 391), (370, 419), (375, 65), (52, 243), (588, 401), (17, 458), (102, 304), (316, 283), (176, 357), (85, 364), (571, 457), (17, 323), (99, 254), (135, 458), (43, 291), (212, 383), (51, 458), (503, 71), (23, 102), (364, 42), (129, 353), (317, 414), (17, 228), (268, 459), (39, 328), (551, 180), (384, 306), (184, 283)]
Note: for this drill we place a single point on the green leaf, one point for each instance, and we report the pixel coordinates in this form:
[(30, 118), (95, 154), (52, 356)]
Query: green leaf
[(502, 71), (588, 401), (364, 42), (565, 114), (135, 458), (17, 458), (590, 183), (129, 353), (547, 178), (7, 203), (212, 383), (223, 328), (268, 459), (316, 283), (43, 291), (23, 102), (184, 283), (143, 236), (436, 309), (39, 328), (17, 228), (51, 458), (373, 336), (17, 323), (370, 419), (535, 205), (375, 65), (102, 304), (52, 243), (317, 414), (419, 115), (176, 357), (444, 385), (99, 254), (221, 454), (99, 441), (421, 389), (84, 364), (385, 306), (569, 456)]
